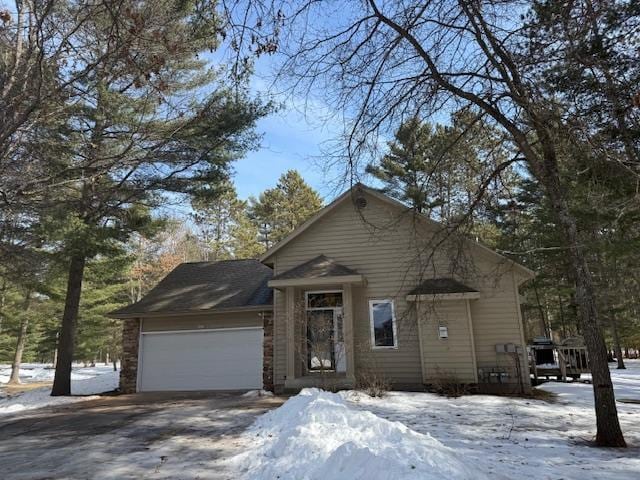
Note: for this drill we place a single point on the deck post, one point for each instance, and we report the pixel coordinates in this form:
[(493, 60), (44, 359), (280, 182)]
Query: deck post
[(563, 365)]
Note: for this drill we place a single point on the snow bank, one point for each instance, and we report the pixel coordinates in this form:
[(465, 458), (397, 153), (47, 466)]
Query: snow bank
[(318, 435), (85, 383)]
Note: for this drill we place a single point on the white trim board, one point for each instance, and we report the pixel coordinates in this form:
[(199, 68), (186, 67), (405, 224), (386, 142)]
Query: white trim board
[(314, 282), (139, 366), (443, 296), (197, 330)]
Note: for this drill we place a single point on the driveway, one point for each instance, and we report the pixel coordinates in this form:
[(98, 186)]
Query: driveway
[(156, 436)]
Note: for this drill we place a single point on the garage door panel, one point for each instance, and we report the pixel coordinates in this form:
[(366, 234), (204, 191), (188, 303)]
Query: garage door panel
[(212, 360)]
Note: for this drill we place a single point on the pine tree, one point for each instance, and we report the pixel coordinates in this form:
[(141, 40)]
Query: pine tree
[(279, 210), (142, 128), (215, 217), (105, 289), (407, 168), (445, 171), (244, 238)]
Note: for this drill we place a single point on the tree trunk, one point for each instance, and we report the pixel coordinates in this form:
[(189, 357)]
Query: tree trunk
[(543, 319), (608, 433), (562, 320), (616, 342), (3, 299), (14, 379), (62, 379)]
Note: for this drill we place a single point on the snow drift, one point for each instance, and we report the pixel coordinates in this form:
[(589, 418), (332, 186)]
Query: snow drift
[(317, 435)]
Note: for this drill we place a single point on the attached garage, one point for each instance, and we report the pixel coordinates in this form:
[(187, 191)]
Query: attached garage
[(205, 326), (222, 359)]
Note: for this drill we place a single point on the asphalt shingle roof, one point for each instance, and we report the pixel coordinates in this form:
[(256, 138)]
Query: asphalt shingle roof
[(435, 286), (207, 285), (317, 267)]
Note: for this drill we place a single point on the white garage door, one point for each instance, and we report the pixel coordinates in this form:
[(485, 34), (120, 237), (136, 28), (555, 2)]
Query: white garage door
[(225, 359)]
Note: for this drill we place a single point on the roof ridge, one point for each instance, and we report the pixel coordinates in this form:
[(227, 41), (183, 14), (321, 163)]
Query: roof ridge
[(318, 262)]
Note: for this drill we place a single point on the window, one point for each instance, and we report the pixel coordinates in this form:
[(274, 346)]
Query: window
[(329, 299), (383, 324)]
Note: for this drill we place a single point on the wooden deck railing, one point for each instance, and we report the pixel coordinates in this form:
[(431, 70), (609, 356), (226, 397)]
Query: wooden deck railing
[(571, 362)]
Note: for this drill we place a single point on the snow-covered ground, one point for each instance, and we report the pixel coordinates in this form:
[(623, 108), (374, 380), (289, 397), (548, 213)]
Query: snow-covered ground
[(42, 372), (319, 435), (626, 384), (85, 383), (324, 436)]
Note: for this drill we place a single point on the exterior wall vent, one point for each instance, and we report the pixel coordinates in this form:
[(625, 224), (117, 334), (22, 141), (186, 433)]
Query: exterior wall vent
[(360, 202)]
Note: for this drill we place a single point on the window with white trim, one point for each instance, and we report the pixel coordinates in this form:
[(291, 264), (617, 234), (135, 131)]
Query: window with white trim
[(383, 324)]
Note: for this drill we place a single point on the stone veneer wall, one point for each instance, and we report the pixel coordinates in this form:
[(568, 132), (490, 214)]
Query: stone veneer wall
[(267, 352), (129, 361)]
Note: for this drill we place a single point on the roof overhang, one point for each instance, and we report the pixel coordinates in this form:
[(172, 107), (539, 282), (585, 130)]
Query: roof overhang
[(430, 297), (317, 281), (188, 313)]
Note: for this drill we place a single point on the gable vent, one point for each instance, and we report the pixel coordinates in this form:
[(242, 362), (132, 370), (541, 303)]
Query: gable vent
[(360, 202)]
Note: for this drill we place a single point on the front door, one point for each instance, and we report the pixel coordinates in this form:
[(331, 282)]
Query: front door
[(325, 337)]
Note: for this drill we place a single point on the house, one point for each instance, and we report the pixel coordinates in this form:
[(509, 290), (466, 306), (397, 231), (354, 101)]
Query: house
[(365, 289)]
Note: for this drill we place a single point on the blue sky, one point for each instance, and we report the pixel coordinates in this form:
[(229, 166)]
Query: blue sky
[(290, 141), (292, 138)]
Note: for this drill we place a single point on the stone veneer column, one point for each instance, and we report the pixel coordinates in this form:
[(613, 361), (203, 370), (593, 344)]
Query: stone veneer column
[(267, 351), (129, 360)]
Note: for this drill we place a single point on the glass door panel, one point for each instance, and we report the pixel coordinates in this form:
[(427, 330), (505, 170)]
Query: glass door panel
[(320, 340)]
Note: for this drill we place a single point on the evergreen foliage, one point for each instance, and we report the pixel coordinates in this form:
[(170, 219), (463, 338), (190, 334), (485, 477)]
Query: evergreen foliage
[(279, 210)]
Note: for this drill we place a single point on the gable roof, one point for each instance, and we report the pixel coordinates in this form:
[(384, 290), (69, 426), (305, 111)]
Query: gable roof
[(303, 226), (352, 193), (438, 286), (203, 286), (320, 266)]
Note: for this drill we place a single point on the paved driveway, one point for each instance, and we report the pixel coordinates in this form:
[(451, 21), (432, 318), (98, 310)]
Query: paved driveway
[(176, 435)]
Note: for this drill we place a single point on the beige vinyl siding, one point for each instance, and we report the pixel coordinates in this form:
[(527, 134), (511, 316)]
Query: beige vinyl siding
[(496, 320), (343, 236), (446, 358), (382, 243), (202, 321)]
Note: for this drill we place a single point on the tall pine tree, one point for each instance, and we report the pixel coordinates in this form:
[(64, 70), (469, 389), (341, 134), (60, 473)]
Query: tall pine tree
[(154, 119), (277, 211)]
